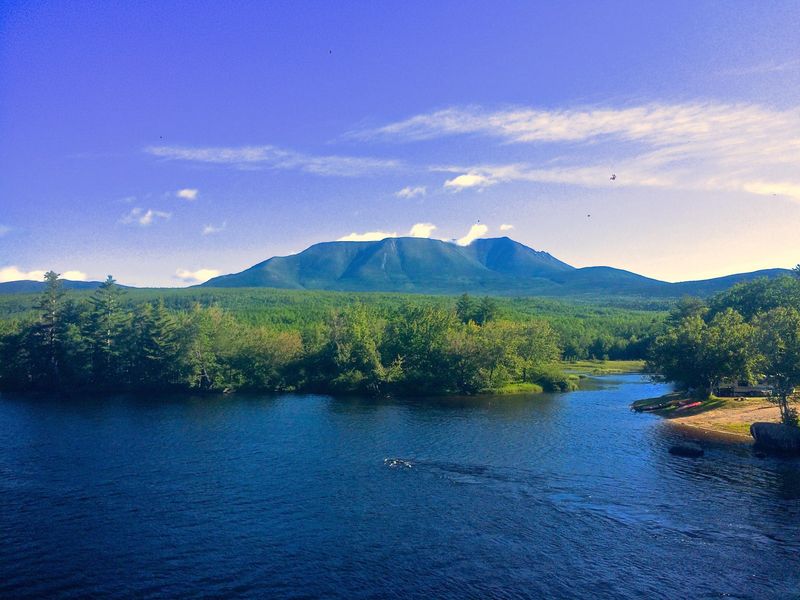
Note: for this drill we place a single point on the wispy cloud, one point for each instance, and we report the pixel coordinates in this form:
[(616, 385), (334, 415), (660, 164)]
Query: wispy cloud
[(211, 229), (197, 276), (770, 66), (703, 146), (506, 227), (139, 216), (277, 158), (14, 273), (475, 232), (411, 192), (187, 193)]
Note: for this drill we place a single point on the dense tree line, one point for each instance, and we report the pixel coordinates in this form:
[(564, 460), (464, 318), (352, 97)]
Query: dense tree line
[(750, 333), (613, 328), (105, 343)]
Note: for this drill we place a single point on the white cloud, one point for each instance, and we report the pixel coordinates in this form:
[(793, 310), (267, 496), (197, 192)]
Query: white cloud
[(476, 231), (418, 230), (411, 192), (422, 230), (187, 193), (506, 227), (144, 217), (469, 180), (368, 236), (75, 275), (13, 273), (276, 158), (701, 146), (196, 276), (211, 229), (4, 229)]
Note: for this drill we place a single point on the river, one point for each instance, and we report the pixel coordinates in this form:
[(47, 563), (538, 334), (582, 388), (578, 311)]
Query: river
[(550, 496)]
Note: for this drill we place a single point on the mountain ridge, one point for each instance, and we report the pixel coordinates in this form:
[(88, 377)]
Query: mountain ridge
[(500, 266)]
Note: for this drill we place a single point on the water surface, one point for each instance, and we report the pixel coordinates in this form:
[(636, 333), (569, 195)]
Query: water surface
[(567, 495)]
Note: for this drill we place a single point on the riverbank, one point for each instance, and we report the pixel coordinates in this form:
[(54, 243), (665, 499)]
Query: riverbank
[(602, 367), (727, 418)]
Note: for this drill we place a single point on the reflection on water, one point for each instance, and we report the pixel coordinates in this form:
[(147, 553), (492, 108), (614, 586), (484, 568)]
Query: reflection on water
[(568, 495)]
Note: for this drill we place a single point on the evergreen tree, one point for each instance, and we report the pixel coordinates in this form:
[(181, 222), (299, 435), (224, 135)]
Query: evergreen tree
[(158, 359), (108, 324), (49, 331), (486, 311), (465, 309)]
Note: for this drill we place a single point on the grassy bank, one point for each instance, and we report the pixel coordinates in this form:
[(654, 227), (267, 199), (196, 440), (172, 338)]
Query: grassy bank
[(602, 367), (519, 388)]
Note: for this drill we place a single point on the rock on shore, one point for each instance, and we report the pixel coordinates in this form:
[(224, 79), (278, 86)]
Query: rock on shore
[(776, 437)]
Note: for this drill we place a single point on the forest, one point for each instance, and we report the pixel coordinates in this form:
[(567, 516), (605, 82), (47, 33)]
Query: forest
[(750, 333), (116, 339)]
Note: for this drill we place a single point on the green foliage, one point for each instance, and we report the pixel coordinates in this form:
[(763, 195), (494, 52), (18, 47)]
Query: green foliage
[(465, 309), (700, 354), (262, 339), (779, 343), (553, 379), (105, 331), (761, 295), (749, 333)]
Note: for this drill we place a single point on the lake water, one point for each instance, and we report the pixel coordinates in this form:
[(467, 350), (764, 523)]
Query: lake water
[(565, 495)]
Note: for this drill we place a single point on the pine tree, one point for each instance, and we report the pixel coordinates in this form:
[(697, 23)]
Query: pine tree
[(465, 309), (158, 360), (49, 331), (486, 311), (107, 326)]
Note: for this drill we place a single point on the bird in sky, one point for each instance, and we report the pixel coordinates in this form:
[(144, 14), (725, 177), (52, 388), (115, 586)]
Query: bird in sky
[(613, 176)]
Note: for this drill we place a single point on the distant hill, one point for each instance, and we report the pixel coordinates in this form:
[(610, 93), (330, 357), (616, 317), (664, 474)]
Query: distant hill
[(28, 287), (487, 266)]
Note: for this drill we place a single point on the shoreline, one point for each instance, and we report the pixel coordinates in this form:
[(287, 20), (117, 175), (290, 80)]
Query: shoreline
[(705, 433), (574, 373), (723, 419)]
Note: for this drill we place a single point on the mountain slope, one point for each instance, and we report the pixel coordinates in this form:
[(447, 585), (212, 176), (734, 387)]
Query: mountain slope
[(492, 266)]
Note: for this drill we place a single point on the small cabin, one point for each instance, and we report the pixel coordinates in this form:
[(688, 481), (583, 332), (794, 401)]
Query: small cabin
[(732, 388)]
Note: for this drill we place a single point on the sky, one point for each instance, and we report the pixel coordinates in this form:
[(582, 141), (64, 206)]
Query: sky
[(166, 142)]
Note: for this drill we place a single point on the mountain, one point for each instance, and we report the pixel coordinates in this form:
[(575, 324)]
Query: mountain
[(28, 287), (399, 264), (491, 266)]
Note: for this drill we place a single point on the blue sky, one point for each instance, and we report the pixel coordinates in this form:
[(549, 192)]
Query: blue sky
[(163, 142)]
